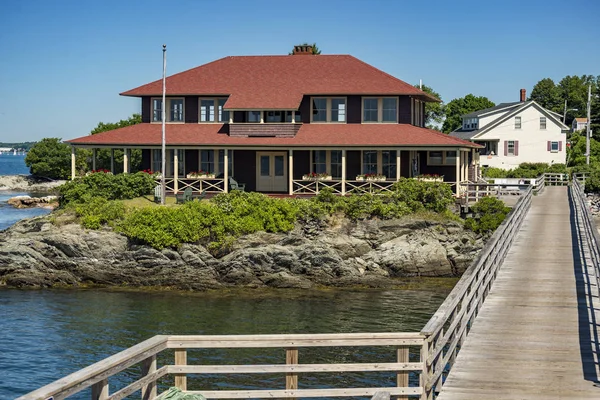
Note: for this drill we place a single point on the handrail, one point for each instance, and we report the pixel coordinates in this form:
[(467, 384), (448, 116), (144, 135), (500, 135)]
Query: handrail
[(591, 231)]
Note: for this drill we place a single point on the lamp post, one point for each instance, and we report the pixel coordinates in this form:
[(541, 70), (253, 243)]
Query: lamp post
[(587, 131), (163, 188)]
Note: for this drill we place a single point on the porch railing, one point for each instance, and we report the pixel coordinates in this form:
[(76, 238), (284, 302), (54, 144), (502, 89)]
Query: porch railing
[(305, 186), (198, 185)]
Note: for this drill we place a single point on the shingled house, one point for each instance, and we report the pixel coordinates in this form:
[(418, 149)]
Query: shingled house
[(287, 124)]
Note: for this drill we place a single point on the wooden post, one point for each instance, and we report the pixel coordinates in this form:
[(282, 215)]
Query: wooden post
[(149, 366), (291, 169), (398, 165), (72, 162), (291, 379), (457, 172), (175, 171), (426, 372), (402, 377), (125, 161), (93, 159), (343, 172), (225, 170), (100, 390), (181, 359), (112, 160)]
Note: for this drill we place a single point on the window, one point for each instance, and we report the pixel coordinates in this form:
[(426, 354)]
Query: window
[(327, 109), (175, 107), (180, 162), (336, 163), (380, 109), (253, 116), (491, 147), (297, 117), (319, 161), (517, 122), (554, 147), (156, 160), (208, 108), (207, 161), (274, 116), (369, 162), (542, 122), (388, 161), (510, 147), (447, 157)]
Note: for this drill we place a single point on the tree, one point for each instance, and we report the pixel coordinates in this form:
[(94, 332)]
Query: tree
[(434, 112), (103, 156), (464, 105), (50, 158), (547, 95), (315, 49)]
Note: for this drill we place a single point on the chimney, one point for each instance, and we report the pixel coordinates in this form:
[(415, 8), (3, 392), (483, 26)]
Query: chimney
[(304, 49), (523, 95)]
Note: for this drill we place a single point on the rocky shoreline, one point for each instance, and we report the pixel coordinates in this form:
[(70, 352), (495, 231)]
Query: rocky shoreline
[(28, 183), (37, 253)]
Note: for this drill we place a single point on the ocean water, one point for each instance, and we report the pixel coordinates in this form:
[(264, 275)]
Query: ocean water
[(14, 165)]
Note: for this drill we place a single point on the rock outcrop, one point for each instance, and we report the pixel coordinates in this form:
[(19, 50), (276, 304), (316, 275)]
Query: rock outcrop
[(28, 201), (38, 253), (28, 183)]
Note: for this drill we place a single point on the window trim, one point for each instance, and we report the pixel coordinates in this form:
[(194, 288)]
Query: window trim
[(508, 153), (552, 142), (328, 168), (543, 126), (518, 125), (328, 100), (167, 110), (216, 107), (379, 109), (444, 157), (216, 162), (379, 162)]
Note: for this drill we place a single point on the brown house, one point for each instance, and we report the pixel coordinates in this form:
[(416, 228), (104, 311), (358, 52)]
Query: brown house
[(271, 121)]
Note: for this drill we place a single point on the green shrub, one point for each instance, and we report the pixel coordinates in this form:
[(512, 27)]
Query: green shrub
[(96, 211), (489, 214), (108, 186)]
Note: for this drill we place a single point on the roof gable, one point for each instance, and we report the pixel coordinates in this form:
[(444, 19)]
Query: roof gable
[(279, 82)]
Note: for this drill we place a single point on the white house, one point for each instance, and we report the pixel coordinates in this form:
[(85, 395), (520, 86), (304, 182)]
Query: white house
[(514, 133), (579, 124)]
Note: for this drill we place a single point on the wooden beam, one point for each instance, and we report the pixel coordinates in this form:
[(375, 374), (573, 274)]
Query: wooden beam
[(181, 359), (291, 379), (148, 368), (402, 377)]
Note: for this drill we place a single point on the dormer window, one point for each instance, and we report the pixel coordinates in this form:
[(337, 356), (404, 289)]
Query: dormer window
[(470, 123), (174, 111), (211, 110), (328, 109), (380, 109)]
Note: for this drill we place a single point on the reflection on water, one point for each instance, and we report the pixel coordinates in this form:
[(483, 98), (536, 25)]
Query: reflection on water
[(48, 334)]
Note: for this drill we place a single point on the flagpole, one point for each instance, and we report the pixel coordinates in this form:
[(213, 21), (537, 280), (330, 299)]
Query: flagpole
[(163, 189)]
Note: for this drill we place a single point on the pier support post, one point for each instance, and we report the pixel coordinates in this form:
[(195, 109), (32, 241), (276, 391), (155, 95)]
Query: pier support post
[(100, 390), (148, 367), (402, 377), (291, 379), (181, 359)]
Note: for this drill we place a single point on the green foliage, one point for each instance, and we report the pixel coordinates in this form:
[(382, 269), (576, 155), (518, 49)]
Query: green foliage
[(108, 186), (576, 152), (525, 170), (103, 126), (51, 158), (489, 214), (97, 211), (547, 95), (434, 112), (464, 105)]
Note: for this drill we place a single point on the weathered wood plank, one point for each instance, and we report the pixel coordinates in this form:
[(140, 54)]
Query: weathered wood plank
[(298, 368), (264, 394)]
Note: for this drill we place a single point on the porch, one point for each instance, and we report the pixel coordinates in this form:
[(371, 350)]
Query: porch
[(297, 171)]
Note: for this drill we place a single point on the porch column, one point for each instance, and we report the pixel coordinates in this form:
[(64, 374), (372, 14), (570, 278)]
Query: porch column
[(458, 158), (72, 162), (225, 170), (125, 161), (343, 172), (112, 161), (293, 117), (291, 170), (175, 171), (397, 165), (475, 166), (93, 159), (466, 166)]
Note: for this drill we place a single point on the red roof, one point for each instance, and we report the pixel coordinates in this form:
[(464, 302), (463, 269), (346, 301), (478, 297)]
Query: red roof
[(308, 135), (279, 82)]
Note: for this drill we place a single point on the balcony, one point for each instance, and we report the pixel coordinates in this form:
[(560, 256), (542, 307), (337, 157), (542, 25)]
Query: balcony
[(282, 130)]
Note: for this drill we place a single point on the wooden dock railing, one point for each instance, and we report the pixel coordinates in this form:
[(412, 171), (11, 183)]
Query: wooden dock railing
[(433, 350)]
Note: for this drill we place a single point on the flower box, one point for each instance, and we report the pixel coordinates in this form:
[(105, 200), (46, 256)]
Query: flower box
[(195, 175), (309, 177), (431, 178), (374, 178)]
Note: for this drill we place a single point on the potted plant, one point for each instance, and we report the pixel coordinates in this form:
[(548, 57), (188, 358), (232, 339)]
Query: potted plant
[(200, 175), (314, 176)]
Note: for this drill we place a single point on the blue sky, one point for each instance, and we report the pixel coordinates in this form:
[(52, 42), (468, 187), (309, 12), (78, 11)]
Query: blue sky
[(63, 63)]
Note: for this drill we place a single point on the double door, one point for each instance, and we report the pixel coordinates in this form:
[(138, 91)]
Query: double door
[(272, 171)]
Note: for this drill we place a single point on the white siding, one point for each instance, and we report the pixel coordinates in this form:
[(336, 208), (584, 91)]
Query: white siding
[(532, 141)]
